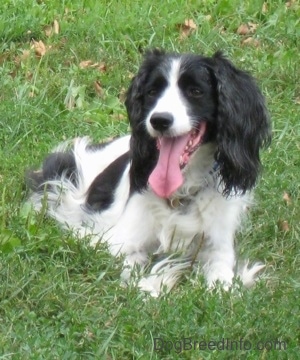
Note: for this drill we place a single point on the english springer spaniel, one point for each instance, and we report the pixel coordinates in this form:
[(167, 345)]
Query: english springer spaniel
[(175, 189)]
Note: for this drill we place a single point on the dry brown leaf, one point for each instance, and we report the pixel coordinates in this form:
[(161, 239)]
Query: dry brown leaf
[(85, 64), (93, 65), (186, 28), (284, 225), (39, 48), (48, 30), (102, 67), (56, 27), (251, 41), (286, 197), (290, 3), (190, 23), (243, 29), (52, 29), (264, 8), (98, 88), (252, 27), (248, 28)]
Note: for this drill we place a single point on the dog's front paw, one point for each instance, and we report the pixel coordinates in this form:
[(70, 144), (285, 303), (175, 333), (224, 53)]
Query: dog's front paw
[(151, 285), (134, 265), (215, 274)]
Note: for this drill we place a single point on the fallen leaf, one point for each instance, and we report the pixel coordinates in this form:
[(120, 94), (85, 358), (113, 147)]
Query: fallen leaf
[(48, 30), (252, 27), (39, 48), (264, 8), (56, 27), (186, 28), (284, 225), (288, 4), (85, 64), (52, 29), (248, 28), (190, 23), (286, 197), (102, 67), (243, 29), (251, 41), (98, 88), (93, 65)]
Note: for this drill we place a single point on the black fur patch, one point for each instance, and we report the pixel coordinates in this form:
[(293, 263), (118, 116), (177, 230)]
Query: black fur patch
[(101, 192), (232, 106), (55, 165)]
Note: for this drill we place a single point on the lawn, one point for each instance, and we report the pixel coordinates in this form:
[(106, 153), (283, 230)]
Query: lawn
[(65, 66)]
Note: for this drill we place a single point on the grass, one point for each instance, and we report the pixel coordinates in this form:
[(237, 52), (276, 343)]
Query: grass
[(59, 299)]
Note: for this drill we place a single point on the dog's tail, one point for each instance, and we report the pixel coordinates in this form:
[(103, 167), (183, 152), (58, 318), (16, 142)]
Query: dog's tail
[(62, 182), (248, 274)]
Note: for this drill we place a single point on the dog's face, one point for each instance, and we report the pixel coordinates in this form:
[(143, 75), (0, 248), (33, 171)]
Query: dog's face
[(179, 96), (178, 102), (181, 106)]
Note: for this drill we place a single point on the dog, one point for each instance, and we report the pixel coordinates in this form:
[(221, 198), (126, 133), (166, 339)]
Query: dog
[(177, 187)]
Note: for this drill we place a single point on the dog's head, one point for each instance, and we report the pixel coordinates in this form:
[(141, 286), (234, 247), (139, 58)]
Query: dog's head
[(176, 103)]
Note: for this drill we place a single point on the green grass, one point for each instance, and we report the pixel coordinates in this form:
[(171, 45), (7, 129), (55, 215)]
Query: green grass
[(60, 299)]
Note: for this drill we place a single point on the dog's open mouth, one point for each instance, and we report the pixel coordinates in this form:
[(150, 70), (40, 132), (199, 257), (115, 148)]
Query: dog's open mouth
[(174, 155)]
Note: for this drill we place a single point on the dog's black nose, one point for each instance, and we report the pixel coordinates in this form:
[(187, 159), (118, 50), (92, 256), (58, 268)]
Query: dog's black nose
[(161, 121)]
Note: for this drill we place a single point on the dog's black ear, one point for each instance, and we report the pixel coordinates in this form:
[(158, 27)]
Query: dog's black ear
[(143, 151), (135, 95), (243, 126)]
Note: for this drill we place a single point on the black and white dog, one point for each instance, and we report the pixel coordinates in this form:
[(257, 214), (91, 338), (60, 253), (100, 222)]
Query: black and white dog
[(179, 184)]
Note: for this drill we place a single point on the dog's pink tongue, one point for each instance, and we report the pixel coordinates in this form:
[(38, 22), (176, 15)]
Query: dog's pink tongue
[(166, 177)]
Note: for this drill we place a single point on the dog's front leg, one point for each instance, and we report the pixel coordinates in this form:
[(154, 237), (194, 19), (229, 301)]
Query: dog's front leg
[(134, 235), (218, 259), (217, 255)]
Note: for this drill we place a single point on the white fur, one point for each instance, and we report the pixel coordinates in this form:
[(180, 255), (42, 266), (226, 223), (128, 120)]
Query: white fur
[(200, 230), (171, 101), (197, 223)]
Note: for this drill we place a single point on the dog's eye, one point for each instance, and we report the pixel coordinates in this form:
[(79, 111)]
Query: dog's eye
[(152, 92), (194, 92)]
